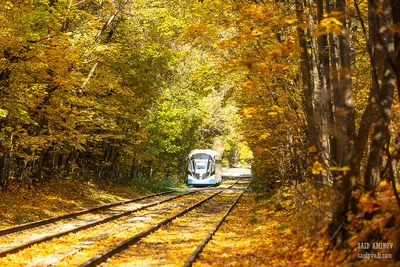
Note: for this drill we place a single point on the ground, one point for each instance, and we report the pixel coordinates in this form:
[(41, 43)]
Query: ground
[(20, 205), (254, 234)]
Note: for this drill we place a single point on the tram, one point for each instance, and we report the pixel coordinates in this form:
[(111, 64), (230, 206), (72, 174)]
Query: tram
[(205, 167)]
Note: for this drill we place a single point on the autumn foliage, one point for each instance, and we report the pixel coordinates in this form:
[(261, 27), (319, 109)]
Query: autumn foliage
[(101, 90), (317, 95), (121, 90)]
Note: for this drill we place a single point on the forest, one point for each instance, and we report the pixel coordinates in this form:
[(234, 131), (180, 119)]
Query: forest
[(304, 91)]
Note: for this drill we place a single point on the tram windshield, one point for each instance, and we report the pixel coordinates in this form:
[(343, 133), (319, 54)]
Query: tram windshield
[(200, 165), (201, 156)]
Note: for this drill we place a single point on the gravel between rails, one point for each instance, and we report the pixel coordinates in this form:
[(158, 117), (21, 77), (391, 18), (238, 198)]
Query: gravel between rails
[(173, 244)]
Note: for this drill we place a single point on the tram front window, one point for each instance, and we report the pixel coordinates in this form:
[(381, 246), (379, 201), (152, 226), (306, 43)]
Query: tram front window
[(200, 169), (200, 165)]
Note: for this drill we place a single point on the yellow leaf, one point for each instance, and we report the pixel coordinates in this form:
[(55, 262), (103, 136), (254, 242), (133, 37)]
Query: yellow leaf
[(331, 20), (264, 136), (339, 169), (317, 168), (312, 149), (350, 217), (291, 21), (3, 113)]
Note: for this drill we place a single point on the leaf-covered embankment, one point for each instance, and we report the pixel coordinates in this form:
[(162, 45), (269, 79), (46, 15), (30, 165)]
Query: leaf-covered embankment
[(58, 197), (257, 234)]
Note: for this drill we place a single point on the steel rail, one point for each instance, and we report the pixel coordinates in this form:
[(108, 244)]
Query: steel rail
[(79, 228), (134, 239), (30, 225), (204, 242), (128, 242)]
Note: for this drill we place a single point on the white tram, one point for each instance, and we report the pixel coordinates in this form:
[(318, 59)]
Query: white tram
[(205, 167)]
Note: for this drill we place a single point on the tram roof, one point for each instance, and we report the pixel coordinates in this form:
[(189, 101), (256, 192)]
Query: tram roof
[(210, 152)]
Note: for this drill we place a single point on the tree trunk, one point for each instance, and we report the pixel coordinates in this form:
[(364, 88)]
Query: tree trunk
[(345, 111), (306, 78), (334, 57), (38, 173), (396, 21), (379, 103), (327, 136), (4, 171), (345, 126), (382, 48)]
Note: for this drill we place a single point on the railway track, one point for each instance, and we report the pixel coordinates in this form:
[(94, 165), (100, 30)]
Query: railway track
[(206, 239), (16, 241), (92, 226), (34, 224), (75, 221), (129, 250), (182, 237)]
